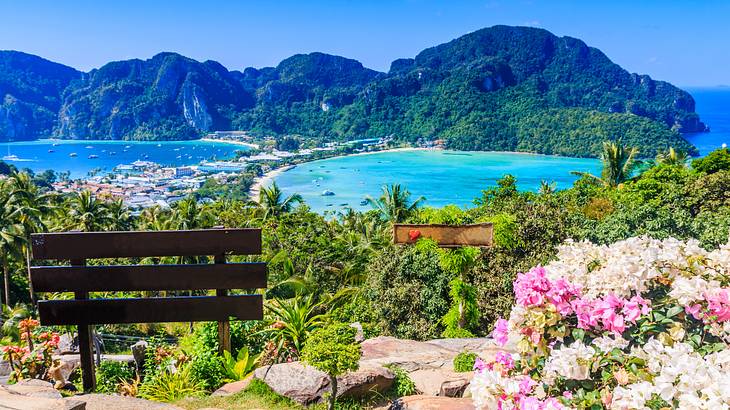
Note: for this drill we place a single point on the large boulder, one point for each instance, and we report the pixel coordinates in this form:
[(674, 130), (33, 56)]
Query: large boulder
[(431, 403), (233, 387), (412, 355), (307, 385), (33, 388), (440, 382), (10, 400)]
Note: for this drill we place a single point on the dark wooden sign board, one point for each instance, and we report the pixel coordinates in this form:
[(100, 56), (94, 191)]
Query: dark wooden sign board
[(447, 236), (81, 279)]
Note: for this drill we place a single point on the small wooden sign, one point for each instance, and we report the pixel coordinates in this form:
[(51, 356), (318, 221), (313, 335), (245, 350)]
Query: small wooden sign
[(446, 236)]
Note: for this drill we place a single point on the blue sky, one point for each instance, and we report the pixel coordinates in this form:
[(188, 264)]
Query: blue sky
[(685, 42)]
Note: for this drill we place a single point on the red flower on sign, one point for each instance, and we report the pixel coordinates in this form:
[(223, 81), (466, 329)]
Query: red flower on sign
[(414, 234)]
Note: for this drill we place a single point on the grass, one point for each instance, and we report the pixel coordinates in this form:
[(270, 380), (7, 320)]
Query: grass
[(256, 396), (259, 396)]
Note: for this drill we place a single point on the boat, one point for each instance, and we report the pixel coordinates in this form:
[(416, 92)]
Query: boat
[(92, 156), (363, 202), (50, 151), (159, 145), (327, 192), (89, 147), (11, 158), (73, 154), (112, 153), (127, 146)]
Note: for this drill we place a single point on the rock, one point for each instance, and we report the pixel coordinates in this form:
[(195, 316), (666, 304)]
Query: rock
[(233, 388), (431, 403), (365, 381), (410, 355), (360, 335), (112, 402), (34, 388), (306, 385), (62, 371), (454, 388), (68, 344), (10, 400), (440, 382), (139, 351)]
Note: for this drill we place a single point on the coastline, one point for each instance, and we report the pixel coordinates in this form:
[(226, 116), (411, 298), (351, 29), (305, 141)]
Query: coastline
[(241, 143), (268, 177), (259, 182)]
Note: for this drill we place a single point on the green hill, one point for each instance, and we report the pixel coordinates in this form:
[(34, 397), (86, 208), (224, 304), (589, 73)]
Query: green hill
[(499, 88)]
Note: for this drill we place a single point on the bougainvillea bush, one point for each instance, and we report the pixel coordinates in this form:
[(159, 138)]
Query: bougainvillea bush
[(639, 324)]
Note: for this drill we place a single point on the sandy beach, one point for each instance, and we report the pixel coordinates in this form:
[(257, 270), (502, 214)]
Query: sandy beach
[(245, 144), (264, 180)]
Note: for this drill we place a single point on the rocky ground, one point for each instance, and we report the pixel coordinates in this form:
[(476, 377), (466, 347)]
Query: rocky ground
[(428, 364)]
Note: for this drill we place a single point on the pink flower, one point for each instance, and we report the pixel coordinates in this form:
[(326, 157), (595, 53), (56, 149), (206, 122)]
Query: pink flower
[(505, 359), (530, 403), (694, 310), (718, 304), (561, 294), (501, 332), (526, 385), (479, 365), (530, 287), (568, 395)]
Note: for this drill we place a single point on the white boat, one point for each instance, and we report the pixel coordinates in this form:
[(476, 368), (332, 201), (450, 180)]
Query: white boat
[(73, 154), (327, 192), (11, 158), (92, 156), (89, 147)]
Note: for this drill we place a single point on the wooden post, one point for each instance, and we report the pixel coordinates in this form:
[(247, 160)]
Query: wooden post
[(86, 351), (224, 326)]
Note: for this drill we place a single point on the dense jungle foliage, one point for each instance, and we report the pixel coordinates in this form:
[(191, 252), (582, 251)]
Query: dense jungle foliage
[(343, 267)]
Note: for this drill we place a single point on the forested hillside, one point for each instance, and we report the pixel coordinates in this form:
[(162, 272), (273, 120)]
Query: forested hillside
[(499, 88)]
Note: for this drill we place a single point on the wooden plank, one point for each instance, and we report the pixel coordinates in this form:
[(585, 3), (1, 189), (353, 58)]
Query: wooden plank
[(446, 235), (224, 326), (148, 277), (94, 245), (86, 352), (151, 310)]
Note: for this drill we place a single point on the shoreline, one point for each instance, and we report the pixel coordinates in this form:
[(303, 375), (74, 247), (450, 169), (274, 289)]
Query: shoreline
[(232, 142), (268, 177)]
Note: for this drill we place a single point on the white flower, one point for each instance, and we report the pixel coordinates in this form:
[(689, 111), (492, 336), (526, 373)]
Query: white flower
[(607, 343), (570, 362)]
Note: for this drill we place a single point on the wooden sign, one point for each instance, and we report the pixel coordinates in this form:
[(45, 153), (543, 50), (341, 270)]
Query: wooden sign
[(446, 235)]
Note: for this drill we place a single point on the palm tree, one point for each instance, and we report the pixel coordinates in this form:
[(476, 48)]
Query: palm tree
[(12, 233), (672, 157), (36, 205), (394, 204), (119, 217), (86, 213), (189, 215), (547, 188), (155, 218), (618, 162), (273, 203)]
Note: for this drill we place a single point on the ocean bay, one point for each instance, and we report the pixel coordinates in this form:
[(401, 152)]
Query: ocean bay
[(104, 155)]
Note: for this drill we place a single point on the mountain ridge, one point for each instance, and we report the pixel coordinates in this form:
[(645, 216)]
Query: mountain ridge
[(498, 88)]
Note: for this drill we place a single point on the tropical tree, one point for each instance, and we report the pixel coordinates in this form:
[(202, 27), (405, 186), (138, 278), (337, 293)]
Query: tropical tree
[(119, 217), (618, 162), (273, 203), (394, 204), (12, 233), (189, 215), (547, 188), (36, 206), (87, 213), (672, 157)]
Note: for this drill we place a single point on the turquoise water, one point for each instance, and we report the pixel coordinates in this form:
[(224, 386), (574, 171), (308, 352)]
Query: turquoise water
[(36, 156), (457, 178), (713, 105), (442, 177)]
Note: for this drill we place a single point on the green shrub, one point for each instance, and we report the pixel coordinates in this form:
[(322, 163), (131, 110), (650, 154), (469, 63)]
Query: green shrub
[(402, 383), (408, 291), (206, 366), (167, 385), (109, 374), (464, 362), (332, 349), (717, 160)]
